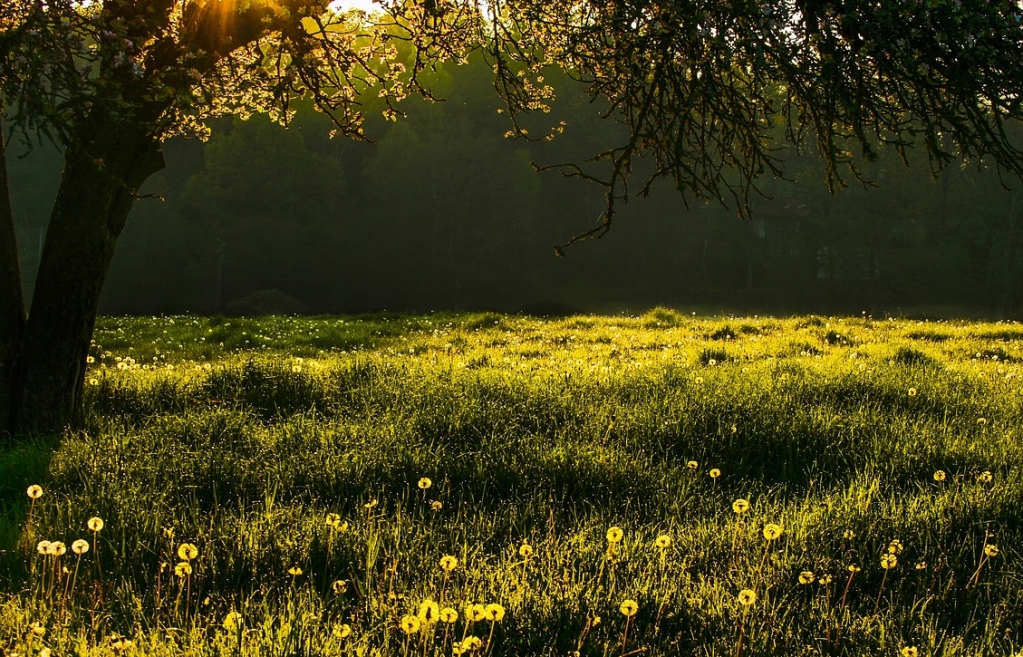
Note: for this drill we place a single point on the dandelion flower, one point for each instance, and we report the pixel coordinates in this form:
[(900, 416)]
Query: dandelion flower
[(294, 571), (614, 534), (714, 473), (939, 475), (339, 586), (525, 550), (35, 491), (740, 505), (425, 483), (772, 531), (663, 541), (333, 520), (43, 547), (447, 615), (494, 612), (912, 392), (409, 624), (448, 563), (806, 577), (183, 569), (187, 551), (985, 477), (692, 465), (436, 505), (889, 561), (232, 621), (908, 651), (95, 524), (428, 612), (80, 547), (475, 612), (629, 608), (991, 550), (747, 597)]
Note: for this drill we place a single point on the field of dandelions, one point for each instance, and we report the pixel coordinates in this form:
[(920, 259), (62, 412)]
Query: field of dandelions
[(480, 484)]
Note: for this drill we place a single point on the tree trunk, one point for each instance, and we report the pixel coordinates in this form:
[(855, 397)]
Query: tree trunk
[(12, 301), (102, 171)]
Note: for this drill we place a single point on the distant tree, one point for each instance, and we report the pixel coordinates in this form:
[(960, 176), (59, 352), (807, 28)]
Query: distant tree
[(698, 85)]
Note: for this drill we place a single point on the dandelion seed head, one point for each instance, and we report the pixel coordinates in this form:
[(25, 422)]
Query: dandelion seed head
[(183, 569), (339, 586), (409, 624), (294, 571), (35, 491), (95, 524), (908, 651), (889, 561), (615, 534), (853, 568), (939, 475), (429, 611), (692, 465), (824, 580), (187, 551), (494, 612), (448, 615), (985, 477), (740, 505), (448, 562), (772, 531), (663, 541), (333, 520), (436, 505), (343, 631), (525, 550), (807, 577), (991, 550), (43, 547), (747, 597), (80, 546), (425, 483), (475, 612), (714, 473), (912, 392), (921, 565), (629, 608)]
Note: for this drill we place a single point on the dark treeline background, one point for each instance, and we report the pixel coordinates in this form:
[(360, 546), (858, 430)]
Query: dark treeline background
[(444, 212)]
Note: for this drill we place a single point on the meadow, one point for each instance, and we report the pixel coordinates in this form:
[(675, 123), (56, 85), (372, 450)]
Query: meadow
[(483, 484)]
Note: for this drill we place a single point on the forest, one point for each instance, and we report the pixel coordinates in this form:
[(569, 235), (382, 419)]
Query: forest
[(441, 210)]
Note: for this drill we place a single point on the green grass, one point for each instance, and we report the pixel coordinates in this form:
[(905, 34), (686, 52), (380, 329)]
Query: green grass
[(240, 436)]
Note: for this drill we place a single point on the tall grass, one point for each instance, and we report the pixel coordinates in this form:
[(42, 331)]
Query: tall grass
[(292, 453)]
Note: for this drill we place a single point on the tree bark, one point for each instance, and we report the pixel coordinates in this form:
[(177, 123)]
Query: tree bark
[(12, 300), (103, 169)]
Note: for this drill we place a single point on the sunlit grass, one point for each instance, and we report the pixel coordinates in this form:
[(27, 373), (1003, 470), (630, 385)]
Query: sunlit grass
[(665, 484)]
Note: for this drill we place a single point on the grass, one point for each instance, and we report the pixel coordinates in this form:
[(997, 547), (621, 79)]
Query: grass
[(292, 453)]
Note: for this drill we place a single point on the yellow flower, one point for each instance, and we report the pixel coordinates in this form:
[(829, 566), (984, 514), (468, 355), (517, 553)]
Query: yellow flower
[(714, 473), (740, 505), (806, 577), (233, 621), (183, 569), (849, 535), (343, 631), (939, 475), (425, 483), (985, 477), (772, 531), (372, 503), (614, 534), (921, 565), (889, 561), (339, 586), (333, 520), (824, 580), (895, 547), (475, 612), (35, 491), (448, 615), (747, 597), (428, 612), (692, 465), (991, 550), (410, 624), (853, 568), (448, 563), (629, 608), (187, 551), (912, 392), (95, 524), (525, 550), (436, 505), (80, 547), (663, 541), (43, 547), (908, 651), (494, 612), (294, 571)]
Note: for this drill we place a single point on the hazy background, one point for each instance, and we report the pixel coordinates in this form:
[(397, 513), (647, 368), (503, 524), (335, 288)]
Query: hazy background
[(443, 212)]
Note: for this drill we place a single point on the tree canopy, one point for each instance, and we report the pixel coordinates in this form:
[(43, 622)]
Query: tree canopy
[(699, 85)]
